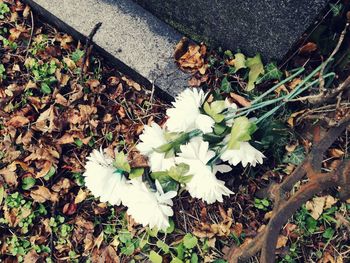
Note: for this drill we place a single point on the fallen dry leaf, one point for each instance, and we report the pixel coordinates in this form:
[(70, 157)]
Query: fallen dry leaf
[(42, 194), (18, 121)]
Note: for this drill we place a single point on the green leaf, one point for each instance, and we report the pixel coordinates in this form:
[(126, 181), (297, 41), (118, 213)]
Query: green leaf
[(256, 69), (171, 227), (152, 232), (121, 162), (109, 136), (194, 258), (167, 183), (228, 53), (50, 173), (329, 233), (28, 183), (214, 109), (155, 257), (272, 73), (179, 173), (311, 224), (219, 129), (77, 55), (190, 241), (2, 71), (163, 246), (128, 249), (176, 260), (241, 132), (136, 172), (124, 236), (78, 142), (45, 88), (296, 157), (240, 61), (212, 138), (225, 85)]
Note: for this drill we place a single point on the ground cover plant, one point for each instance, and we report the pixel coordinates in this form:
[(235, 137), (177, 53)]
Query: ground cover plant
[(61, 101)]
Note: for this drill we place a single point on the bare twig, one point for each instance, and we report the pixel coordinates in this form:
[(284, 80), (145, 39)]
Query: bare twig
[(87, 46), (31, 35), (285, 205), (335, 51)]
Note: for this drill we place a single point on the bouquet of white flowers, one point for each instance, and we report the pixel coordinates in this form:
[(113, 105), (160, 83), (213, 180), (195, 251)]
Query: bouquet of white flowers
[(198, 138)]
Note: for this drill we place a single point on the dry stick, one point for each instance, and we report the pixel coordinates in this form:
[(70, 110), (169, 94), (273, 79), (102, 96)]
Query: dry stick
[(31, 35), (336, 49), (285, 208), (87, 46), (318, 184)]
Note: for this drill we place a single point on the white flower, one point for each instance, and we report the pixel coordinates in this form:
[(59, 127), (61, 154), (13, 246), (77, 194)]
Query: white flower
[(147, 207), (186, 115), (204, 184), (102, 179), (153, 137), (245, 154)]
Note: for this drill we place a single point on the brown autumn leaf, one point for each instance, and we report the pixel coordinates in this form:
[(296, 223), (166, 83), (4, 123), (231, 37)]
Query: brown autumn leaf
[(64, 40), (105, 255), (240, 100), (318, 204), (18, 121), (31, 257), (45, 168), (69, 209), (42, 194), (308, 48), (132, 83), (190, 56), (81, 196), (281, 241), (45, 122), (336, 153), (9, 174)]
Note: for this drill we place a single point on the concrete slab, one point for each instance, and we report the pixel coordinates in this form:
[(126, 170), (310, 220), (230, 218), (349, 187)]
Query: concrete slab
[(141, 44), (269, 27)]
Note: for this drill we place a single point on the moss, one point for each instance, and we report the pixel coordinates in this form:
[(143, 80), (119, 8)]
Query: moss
[(189, 32)]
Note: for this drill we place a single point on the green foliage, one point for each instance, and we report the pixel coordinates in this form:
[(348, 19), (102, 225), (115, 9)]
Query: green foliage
[(121, 162), (77, 55), (50, 173), (272, 72), (25, 211), (240, 61), (190, 241), (2, 72), (225, 85), (256, 68), (155, 257), (214, 110), (241, 131), (262, 204), (28, 183), (4, 9), (136, 172), (296, 157), (43, 73)]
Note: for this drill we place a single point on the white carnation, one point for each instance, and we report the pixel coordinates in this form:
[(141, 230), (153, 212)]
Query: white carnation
[(148, 207), (246, 154), (151, 138), (186, 115), (102, 179), (204, 184)]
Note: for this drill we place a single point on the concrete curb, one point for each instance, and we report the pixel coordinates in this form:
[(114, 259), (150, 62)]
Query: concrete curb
[(137, 43)]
